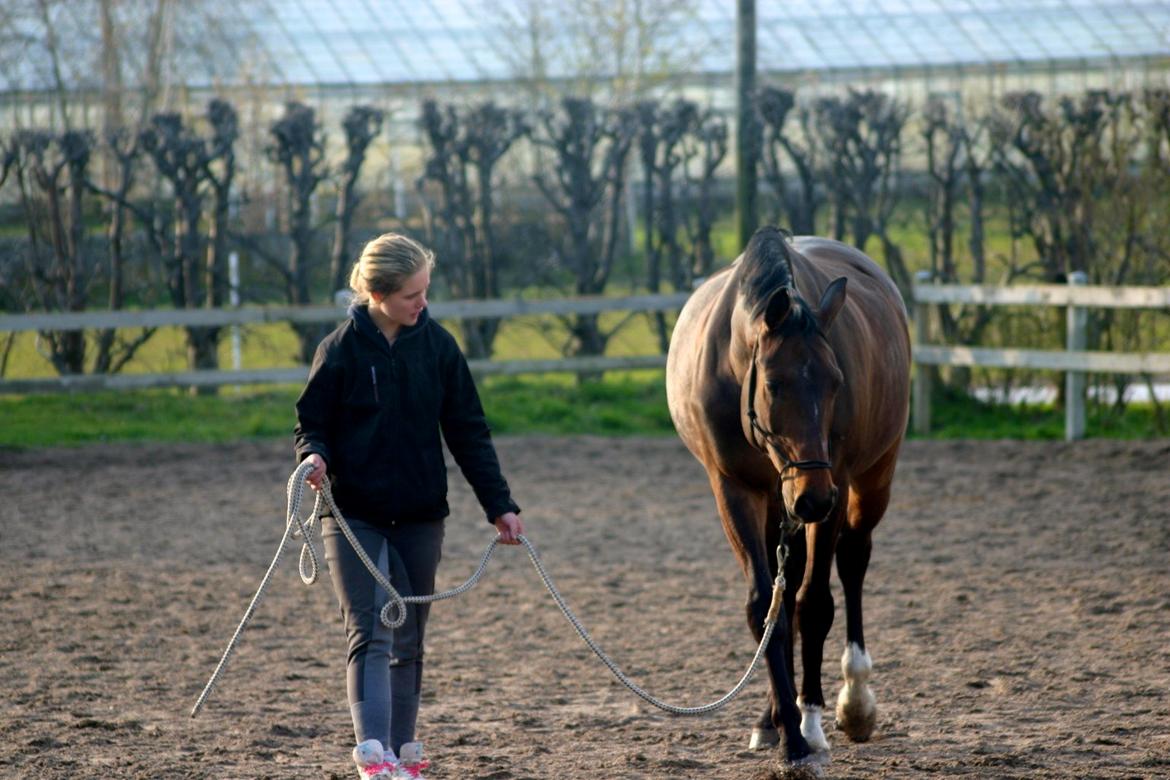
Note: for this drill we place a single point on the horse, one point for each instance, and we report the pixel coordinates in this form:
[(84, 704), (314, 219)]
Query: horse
[(797, 414)]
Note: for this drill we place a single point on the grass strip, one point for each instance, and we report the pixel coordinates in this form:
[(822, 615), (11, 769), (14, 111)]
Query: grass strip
[(621, 404)]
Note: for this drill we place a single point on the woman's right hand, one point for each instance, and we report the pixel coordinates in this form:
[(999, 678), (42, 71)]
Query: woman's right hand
[(315, 476)]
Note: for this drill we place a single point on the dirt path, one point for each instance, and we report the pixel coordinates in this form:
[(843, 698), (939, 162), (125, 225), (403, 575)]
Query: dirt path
[(1018, 617)]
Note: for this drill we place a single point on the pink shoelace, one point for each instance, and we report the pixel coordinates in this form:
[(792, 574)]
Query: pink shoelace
[(415, 770), (373, 769)]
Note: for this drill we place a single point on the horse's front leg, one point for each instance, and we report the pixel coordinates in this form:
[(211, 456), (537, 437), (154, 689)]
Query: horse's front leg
[(765, 735), (814, 618), (744, 514)]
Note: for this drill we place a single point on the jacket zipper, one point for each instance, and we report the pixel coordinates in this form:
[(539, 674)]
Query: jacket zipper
[(374, 379)]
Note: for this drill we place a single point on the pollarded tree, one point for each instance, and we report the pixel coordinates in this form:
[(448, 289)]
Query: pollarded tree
[(221, 175), (704, 149), (124, 149), (591, 145), (50, 173), (299, 149), (957, 158), (362, 125), (660, 137), (464, 149), (799, 200), (183, 158), (862, 139)]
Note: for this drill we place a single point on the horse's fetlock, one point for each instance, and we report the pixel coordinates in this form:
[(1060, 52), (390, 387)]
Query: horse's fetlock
[(856, 665)]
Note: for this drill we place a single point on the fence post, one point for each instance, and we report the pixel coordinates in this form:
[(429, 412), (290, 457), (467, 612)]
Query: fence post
[(922, 388), (234, 301), (1074, 381)]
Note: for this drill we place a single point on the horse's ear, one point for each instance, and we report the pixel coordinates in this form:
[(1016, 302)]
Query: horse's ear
[(831, 302), (779, 305)]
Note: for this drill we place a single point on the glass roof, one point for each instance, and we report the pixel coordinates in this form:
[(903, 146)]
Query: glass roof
[(440, 40), (356, 42)]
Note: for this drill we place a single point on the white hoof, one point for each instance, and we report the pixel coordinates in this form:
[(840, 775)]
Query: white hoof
[(856, 706), (763, 739), (811, 728)]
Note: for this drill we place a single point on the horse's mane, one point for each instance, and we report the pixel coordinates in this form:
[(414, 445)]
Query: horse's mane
[(766, 267)]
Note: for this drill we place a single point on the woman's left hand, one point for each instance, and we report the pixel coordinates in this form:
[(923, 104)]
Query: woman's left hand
[(510, 526)]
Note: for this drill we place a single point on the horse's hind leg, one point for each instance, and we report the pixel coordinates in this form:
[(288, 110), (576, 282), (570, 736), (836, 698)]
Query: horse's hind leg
[(856, 706)]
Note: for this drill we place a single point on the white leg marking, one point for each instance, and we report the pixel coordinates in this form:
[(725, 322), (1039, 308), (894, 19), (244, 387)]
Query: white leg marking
[(856, 706), (810, 726)]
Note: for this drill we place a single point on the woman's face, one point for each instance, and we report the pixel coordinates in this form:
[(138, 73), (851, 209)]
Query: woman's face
[(403, 306)]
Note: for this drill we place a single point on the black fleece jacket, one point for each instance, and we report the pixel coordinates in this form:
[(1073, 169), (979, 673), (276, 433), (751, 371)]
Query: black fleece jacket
[(374, 412)]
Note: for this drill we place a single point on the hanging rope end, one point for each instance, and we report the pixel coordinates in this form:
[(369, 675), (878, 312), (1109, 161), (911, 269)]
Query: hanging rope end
[(777, 600)]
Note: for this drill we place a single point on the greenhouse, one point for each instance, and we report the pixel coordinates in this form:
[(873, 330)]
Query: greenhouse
[(327, 51)]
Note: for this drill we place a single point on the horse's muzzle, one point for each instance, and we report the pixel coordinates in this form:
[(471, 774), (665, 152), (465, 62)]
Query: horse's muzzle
[(812, 506)]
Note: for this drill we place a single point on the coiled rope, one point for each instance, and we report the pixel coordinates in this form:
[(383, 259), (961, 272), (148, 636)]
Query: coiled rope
[(309, 566)]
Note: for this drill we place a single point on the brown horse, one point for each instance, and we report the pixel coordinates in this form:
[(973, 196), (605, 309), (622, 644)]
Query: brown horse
[(797, 412)]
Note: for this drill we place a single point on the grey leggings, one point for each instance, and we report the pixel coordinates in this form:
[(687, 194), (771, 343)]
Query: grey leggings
[(384, 669)]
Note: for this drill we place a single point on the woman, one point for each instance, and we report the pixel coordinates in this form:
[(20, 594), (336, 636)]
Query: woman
[(382, 387)]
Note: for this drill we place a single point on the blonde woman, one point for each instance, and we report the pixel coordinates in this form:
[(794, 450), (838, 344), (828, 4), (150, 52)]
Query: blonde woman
[(382, 388)]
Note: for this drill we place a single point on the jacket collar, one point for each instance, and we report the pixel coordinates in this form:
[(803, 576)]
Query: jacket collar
[(364, 324)]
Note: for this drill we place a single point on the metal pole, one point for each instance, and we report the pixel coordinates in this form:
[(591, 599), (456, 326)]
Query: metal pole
[(747, 132), (397, 183), (1074, 381)]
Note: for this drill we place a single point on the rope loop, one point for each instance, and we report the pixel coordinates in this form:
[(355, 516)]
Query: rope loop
[(309, 566)]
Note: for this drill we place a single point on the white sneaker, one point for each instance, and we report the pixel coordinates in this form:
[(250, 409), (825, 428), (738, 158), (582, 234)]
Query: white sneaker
[(373, 762), (411, 762)]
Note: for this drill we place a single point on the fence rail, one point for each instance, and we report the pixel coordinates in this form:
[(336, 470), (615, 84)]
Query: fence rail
[(1075, 361), (251, 315), (494, 309), (1073, 294)]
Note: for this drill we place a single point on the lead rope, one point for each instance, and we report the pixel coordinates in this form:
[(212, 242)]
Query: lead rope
[(309, 566)]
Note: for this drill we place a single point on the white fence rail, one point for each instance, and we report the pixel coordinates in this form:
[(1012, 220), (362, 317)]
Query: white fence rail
[(251, 315), (1075, 361), (64, 321)]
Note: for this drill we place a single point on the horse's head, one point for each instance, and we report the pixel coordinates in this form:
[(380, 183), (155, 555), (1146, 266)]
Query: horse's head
[(790, 391)]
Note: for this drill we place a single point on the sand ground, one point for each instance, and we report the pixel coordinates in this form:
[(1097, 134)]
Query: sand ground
[(1018, 615)]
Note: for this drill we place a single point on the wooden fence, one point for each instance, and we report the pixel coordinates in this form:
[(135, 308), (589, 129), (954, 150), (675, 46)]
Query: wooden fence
[(63, 321), (1075, 361)]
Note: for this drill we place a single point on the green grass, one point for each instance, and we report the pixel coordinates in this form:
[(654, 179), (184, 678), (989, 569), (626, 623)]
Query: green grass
[(957, 417), (622, 404), (626, 403), (147, 415)]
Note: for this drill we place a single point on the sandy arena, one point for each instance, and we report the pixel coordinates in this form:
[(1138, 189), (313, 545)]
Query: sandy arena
[(1018, 615)]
